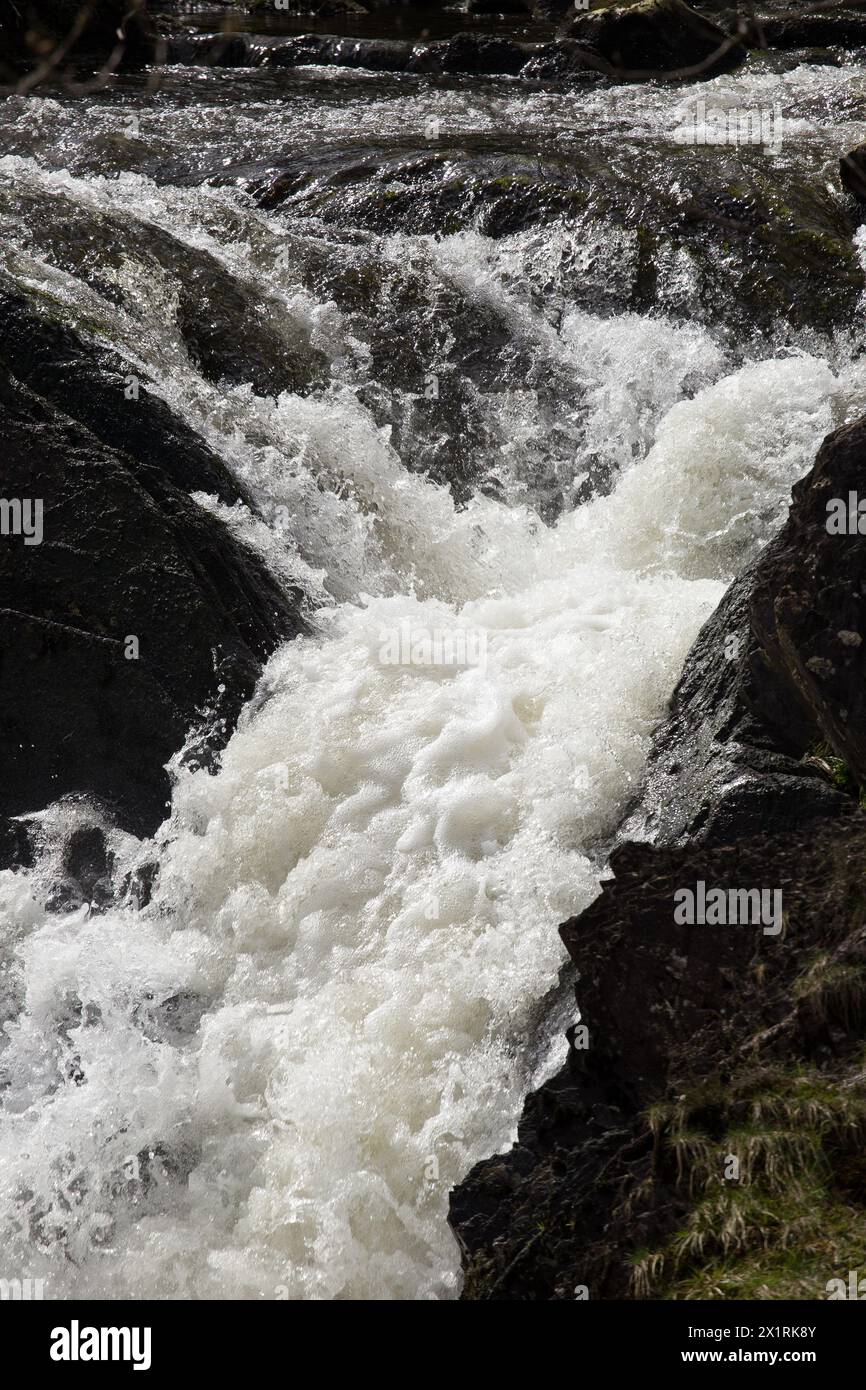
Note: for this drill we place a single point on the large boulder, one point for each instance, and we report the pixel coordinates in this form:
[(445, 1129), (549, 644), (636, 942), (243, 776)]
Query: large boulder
[(233, 332), (695, 1037), (656, 38), (130, 615)]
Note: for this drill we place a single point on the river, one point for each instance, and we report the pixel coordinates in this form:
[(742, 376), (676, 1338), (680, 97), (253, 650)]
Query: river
[(318, 1022)]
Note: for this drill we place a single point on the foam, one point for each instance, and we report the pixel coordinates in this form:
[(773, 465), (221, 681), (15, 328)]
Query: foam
[(264, 1083)]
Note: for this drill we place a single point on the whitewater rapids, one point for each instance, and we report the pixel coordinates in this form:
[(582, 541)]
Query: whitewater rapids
[(263, 1083)]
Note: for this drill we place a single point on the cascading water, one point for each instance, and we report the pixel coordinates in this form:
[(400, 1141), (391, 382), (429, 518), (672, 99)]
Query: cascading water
[(263, 1082)]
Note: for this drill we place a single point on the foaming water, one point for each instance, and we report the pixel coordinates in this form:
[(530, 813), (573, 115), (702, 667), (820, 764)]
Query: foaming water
[(357, 911), (263, 1082)]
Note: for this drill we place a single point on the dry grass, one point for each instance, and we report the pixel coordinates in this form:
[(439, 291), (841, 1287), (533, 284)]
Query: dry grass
[(790, 1132), (833, 991)]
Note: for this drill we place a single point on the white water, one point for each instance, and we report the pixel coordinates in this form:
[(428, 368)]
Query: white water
[(362, 904)]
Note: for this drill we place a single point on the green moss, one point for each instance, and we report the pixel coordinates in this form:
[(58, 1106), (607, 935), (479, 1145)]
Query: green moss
[(479, 1279), (837, 771), (507, 181)]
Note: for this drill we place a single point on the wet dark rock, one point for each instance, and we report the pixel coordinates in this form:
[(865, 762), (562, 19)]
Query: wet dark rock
[(125, 554), (474, 54), (326, 8), (468, 53), (808, 606), (173, 1019), (85, 872), (138, 886), (16, 846), (760, 245), (852, 172), (724, 13), (234, 333), (798, 29), (376, 55), (331, 50), (560, 60), (820, 58), (437, 353), (672, 1011), (218, 50), (727, 760), (656, 37), (552, 11), (676, 1011)]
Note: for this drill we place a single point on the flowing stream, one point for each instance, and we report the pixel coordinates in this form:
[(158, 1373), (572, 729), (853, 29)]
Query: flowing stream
[(263, 1082)]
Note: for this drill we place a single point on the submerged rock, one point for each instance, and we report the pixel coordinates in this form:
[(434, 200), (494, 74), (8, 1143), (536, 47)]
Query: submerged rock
[(85, 871), (136, 615), (651, 38), (476, 54), (721, 234)]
